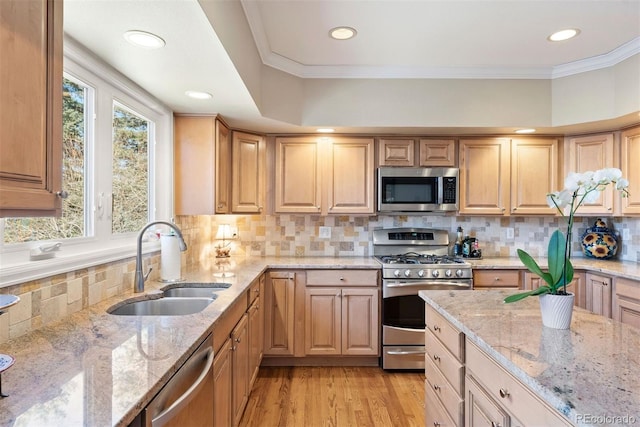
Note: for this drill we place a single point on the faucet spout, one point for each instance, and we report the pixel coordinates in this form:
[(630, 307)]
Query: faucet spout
[(140, 277)]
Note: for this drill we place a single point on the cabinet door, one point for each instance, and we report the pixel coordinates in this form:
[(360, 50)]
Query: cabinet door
[(31, 108), (497, 279), (437, 152), (590, 153), (322, 321), (626, 301), (240, 368), (360, 313), (577, 287), (534, 174), (630, 154), (484, 176), (350, 183), (223, 168), (222, 380), (598, 294), (396, 152), (481, 410), (279, 311), (194, 156), (248, 173), (256, 338), (297, 175)]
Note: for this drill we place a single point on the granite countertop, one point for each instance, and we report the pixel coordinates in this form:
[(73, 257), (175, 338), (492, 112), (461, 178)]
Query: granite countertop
[(93, 368), (591, 370)]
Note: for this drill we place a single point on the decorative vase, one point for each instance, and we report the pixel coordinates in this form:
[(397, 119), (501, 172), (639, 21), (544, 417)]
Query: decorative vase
[(599, 242), (556, 310)]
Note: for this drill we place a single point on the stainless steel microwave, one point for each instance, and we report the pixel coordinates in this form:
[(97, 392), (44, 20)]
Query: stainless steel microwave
[(420, 189)]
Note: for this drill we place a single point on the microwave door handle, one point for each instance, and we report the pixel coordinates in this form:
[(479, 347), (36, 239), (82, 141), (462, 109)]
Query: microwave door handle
[(439, 185)]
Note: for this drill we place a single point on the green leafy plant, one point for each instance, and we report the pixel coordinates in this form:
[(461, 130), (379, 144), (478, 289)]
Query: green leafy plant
[(579, 188)]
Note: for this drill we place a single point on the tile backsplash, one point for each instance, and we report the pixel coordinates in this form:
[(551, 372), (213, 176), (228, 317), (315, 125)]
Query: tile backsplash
[(46, 300)]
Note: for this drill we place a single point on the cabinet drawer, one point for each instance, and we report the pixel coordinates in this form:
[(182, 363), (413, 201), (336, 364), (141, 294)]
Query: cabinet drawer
[(253, 292), (448, 335), (450, 399), (517, 399), (342, 277), (434, 413), (496, 279), (446, 363)]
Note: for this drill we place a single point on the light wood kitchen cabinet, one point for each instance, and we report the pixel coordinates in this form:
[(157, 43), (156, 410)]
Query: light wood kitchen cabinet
[(534, 174), (256, 328), (430, 152), (248, 190), (342, 312), (326, 177), (630, 153), (222, 381), (437, 152), (626, 301), (240, 364), (577, 286), (31, 108), (200, 142), (496, 279), (590, 153), (492, 395), (484, 176), (599, 294), (279, 305), (342, 321)]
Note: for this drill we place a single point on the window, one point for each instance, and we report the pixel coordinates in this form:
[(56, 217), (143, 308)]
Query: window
[(116, 137)]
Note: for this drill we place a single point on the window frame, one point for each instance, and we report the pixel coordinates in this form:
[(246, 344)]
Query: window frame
[(109, 87)]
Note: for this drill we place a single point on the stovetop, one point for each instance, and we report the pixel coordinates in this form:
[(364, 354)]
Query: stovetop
[(422, 259)]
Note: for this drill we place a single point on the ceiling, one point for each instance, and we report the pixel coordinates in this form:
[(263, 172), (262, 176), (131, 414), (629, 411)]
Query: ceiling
[(420, 39)]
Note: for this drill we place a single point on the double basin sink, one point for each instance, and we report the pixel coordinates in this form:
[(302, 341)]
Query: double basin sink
[(186, 298)]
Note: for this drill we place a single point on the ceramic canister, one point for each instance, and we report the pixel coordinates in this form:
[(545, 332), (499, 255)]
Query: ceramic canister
[(599, 242)]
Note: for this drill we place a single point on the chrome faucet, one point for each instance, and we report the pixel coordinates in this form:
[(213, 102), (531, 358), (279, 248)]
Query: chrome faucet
[(138, 285)]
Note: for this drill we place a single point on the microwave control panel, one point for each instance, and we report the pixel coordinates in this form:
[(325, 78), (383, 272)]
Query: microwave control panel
[(449, 190)]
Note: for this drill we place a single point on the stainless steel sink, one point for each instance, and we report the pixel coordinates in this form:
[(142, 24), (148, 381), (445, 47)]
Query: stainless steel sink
[(207, 290), (167, 306)]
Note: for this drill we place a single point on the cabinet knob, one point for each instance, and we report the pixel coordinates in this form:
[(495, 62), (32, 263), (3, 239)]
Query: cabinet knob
[(495, 424), (497, 279), (504, 392), (436, 328), (609, 208), (342, 279), (63, 194), (436, 387), (436, 424), (436, 357), (237, 339)]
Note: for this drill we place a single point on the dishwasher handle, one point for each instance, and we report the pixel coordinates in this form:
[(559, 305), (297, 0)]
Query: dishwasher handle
[(188, 395)]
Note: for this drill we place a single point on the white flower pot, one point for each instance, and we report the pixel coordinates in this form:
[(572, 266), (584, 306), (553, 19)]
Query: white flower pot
[(556, 310)]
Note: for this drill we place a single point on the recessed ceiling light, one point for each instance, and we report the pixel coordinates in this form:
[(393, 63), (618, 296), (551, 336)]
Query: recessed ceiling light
[(144, 39), (325, 130), (525, 131), (198, 95), (342, 33), (567, 34)]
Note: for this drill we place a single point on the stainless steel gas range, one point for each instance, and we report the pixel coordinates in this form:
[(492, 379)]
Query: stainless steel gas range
[(413, 259)]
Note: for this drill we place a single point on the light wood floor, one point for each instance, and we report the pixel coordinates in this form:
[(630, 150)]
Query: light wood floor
[(335, 396)]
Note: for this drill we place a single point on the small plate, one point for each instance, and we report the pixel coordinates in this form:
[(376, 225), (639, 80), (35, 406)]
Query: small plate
[(5, 362)]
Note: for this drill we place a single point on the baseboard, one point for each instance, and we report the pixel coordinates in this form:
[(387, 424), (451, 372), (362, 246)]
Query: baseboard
[(321, 361)]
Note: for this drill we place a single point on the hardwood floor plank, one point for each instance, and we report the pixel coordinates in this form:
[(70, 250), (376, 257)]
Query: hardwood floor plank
[(335, 397)]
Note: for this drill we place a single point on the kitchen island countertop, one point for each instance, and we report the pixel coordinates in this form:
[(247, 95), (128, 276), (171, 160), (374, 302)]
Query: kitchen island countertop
[(590, 373)]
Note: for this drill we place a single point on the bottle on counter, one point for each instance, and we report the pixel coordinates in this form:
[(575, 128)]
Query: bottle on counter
[(457, 247), (466, 246)]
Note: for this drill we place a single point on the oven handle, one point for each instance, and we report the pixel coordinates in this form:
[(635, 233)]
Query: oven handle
[(403, 353), (398, 328), (416, 284)]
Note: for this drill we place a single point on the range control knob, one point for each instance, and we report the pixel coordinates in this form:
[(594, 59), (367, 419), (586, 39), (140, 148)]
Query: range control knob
[(396, 273), (459, 273), (420, 273), (407, 273), (435, 273), (448, 273)]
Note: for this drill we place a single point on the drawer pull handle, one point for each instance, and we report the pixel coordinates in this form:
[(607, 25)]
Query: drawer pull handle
[(436, 328), (504, 392), (436, 424), (436, 357), (436, 387)]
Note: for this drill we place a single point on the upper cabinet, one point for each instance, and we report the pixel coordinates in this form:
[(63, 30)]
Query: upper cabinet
[(248, 173), (630, 153), (31, 108), (502, 176), (590, 153), (324, 176), (215, 173), (430, 152)]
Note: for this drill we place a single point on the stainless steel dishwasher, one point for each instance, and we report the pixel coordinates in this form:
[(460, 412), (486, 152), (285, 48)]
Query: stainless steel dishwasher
[(187, 399)]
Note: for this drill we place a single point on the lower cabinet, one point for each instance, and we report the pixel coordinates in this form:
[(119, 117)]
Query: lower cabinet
[(577, 286), (599, 294), (222, 380), (256, 329), (626, 301), (496, 279), (279, 304), (240, 368)]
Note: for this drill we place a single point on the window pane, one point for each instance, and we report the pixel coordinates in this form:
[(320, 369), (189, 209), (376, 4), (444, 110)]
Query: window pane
[(72, 222), (130, 170)]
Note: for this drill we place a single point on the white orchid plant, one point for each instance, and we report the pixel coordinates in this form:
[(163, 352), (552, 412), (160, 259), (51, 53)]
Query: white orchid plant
[(579, 188)]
